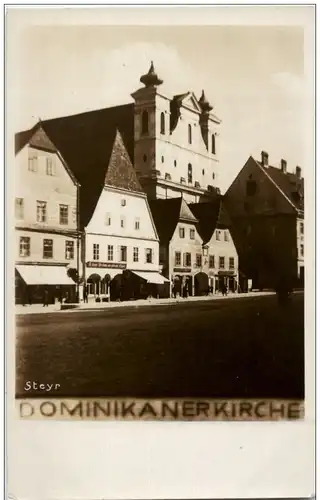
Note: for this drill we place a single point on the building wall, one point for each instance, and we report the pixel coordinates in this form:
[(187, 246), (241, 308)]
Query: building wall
[(184, 245), (222, 247), (38, 186), (170, 153), (33, 186), (111, 205)]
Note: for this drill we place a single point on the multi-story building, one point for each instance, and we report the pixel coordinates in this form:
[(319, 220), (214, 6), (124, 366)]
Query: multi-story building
[(176, 142), (47, 249), (121, 246), (266, 205), (220, 257), (181, 252)]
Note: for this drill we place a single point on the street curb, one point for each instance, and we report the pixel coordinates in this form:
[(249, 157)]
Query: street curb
[(157, 303)]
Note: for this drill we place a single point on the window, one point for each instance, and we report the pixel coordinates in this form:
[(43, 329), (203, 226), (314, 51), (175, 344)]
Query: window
[(189, 134), (123, 254), (211, 261), (74, 215), (177, 259), (198, 260), (192, 234), (149, 255), (108, 220), (175, 163), (231, 262), (144, 158), (162, 124), (49, 166), (135, 254), (96, 251), (203, 171), (301, 228), (69, 250), (64, 213), (302, 250), (19, 208), (110, 252), (123, 203), (162, 159), (122, 222), (213, 144), (145, 122), (137, 224), (226, 236), (221, 262), (205, 251), (218, 235), (187, 260), (24, 246), (33, 164), (41, 211), (190, 173), (47, 249), (251, 188), (181, 232)]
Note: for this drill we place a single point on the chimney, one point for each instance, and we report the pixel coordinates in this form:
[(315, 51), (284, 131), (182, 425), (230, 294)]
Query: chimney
[(283, 166), (264, 159), (298, 172)]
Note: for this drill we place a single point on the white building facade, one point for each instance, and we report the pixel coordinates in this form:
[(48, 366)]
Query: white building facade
[(47, 246)]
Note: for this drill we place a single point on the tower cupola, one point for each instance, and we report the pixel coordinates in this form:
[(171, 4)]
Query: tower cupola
[(204, 103), (151, 78)]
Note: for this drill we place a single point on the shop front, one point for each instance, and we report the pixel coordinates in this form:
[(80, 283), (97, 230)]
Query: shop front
[(143, 284), (182, 282), (103, 281), (227, 280), (35, 284)]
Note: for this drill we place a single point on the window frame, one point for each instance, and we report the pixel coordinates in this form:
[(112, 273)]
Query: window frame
[(187, 259), (19, 208), (69, 243), (182, 232), (162, 123), (63, 221), (177, 259), (189, 133), (192, 234), (144, 122), (135, 254), (41, 205), (26, 245), (123, 253), (148, 253), (110, 253), (232, 263), (212, 263), (95, 251), (222, 262), (198, 260), (45, 251)]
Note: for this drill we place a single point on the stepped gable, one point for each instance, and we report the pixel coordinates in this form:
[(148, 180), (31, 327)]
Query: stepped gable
[(85, 141), (120, 172), (166, 215)]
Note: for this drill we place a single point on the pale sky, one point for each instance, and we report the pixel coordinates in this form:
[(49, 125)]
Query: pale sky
[(253, 76)]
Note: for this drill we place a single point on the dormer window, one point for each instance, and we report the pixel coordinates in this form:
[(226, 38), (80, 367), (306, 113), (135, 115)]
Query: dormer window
[(190, 173), (189, 134), (145, 122), (213, 144), (162, 124)]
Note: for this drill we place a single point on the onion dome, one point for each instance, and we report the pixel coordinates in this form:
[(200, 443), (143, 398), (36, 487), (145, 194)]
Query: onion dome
[(204, 103), (151, 79)]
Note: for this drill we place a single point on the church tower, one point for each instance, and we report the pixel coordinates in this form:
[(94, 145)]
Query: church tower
[(175, 152)]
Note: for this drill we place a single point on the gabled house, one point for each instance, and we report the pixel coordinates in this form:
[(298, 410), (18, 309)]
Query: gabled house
[(120, 239), (180, 246), (47, 248), (266, 205), (220, 257)]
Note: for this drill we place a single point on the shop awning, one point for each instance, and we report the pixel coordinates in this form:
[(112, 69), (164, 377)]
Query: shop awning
[(151, 277), (44, 275)]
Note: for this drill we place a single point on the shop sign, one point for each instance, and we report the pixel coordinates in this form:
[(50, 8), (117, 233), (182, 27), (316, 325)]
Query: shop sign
[(226, 273), (107, 265), (182, 269)]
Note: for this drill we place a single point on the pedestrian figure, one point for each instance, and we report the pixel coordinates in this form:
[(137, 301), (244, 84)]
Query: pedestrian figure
[(46, 298), (85, 294)]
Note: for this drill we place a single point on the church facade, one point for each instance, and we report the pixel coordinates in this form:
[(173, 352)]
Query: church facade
[(176, 142)]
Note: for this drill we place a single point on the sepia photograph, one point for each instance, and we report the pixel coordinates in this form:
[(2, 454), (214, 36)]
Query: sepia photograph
[(159, 230)]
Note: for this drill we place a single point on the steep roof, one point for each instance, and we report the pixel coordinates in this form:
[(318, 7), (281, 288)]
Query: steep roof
[(289, 183), (120, 172), (166, 215), (211, 215), (86, 141)]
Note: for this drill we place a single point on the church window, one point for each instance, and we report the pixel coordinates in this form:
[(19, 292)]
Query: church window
[(213, 144), (189, 134), (162, 124), (145, 122), (190, 173)]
